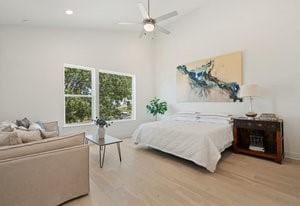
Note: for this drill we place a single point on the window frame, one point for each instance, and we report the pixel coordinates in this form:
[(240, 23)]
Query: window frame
[(95, 93), (133, 84), (92, 96)]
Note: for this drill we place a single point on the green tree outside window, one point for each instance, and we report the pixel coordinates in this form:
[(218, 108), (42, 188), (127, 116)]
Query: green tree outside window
[(115, 96), (78, 95)]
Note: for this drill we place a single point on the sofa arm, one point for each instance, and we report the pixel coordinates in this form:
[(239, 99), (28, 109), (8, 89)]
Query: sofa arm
[(49, 178)]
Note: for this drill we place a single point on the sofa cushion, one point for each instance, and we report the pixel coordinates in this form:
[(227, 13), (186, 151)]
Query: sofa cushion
[(9, 138), (29, 136), (46, 134), (44, 145)]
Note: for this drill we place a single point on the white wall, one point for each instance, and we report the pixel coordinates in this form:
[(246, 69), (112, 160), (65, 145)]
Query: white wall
[(268, 33), (31, 70)]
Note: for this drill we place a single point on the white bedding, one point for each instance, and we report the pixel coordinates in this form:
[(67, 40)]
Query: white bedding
[(200, 142)]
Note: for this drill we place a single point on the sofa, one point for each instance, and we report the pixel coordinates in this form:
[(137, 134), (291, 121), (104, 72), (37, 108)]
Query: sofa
[(47, 172)]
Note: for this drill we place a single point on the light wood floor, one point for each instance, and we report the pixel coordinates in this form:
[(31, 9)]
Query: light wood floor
[(150, 177)]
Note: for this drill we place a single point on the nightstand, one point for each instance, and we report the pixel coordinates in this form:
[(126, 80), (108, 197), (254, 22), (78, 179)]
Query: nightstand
[(268, 134)]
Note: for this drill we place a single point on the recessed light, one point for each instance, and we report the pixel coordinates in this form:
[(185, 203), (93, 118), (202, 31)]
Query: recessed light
[(69, 12)]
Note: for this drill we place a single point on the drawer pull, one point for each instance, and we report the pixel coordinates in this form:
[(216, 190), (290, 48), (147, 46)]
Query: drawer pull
[(260, 125)]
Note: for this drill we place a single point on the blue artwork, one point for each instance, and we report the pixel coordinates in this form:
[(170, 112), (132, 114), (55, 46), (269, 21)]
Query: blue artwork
[(199, 83)]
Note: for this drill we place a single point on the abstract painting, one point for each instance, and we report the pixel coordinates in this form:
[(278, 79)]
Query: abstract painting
[(216, 79)]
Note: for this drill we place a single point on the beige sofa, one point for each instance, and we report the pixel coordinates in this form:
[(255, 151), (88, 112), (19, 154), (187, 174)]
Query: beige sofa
[(44, 173)]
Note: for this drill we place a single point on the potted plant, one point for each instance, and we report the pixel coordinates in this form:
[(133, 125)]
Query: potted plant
[(156, 106), (101, 123)]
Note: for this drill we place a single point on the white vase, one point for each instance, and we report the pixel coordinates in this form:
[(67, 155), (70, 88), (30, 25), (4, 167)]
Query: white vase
[(101, 132)]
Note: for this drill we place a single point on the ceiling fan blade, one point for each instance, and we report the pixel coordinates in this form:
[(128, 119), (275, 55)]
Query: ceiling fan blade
[(166, 16), (143, 11), (162, 29), (128, 23), (142, 33)]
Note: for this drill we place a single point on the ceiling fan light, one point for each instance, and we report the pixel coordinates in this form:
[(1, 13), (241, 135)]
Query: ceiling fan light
[(148, 27), (69, 12)]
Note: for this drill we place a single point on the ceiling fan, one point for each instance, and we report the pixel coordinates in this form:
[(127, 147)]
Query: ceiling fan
[(151, 24)]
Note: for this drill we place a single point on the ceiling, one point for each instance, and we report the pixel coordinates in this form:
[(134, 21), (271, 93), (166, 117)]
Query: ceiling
[(95, 14)]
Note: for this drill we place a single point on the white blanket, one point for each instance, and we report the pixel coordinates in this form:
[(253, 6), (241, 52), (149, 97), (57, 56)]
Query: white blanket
[(199, 142)]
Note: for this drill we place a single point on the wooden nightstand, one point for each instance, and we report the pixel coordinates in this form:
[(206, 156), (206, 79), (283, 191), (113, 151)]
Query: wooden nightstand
[(270, 131)]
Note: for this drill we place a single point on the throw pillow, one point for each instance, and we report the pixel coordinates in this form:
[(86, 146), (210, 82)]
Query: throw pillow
[(29, 136), (7, 129), (46, 134), (9, 138), (7, 126), (48, 130), (51, 126), (23, 123), (41, 124), (34, 126), (22, 128)]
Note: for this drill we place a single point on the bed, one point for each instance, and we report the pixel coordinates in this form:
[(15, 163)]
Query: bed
[(197, 137)]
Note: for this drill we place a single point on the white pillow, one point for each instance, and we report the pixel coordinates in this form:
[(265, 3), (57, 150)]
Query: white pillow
[(215, 121), (214, 118), (214, 114), (22, 128), (7, 126), (35, 126), (185, 119), (182, 117), (186, 113)]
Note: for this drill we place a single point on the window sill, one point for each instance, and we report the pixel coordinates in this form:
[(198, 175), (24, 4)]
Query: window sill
[(121, 120), (91, 123), (78, 125)]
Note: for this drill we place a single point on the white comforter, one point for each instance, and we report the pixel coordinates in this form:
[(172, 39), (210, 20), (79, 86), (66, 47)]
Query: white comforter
[(199, 142)]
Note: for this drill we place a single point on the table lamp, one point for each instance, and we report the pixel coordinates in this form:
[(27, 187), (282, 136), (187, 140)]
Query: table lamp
[(250, 91)]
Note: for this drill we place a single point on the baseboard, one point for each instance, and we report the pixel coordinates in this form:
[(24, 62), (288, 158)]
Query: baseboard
[(293, 155)]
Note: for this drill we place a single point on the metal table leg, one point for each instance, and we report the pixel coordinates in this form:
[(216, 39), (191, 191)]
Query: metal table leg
[(101, 159), (119, 151)]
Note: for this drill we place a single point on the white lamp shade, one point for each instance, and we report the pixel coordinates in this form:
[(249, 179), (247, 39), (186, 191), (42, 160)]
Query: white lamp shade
[(250, 90)]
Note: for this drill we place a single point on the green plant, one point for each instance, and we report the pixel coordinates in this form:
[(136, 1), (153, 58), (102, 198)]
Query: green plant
[(156, 106)]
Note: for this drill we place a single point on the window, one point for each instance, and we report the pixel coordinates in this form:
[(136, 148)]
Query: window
[(116, 96), (79, 94), (116, 92)]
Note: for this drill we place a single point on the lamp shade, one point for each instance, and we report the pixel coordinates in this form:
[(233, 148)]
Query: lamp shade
[(250, 90)]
